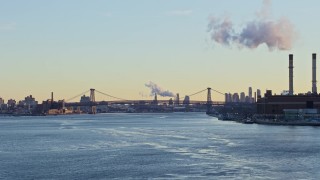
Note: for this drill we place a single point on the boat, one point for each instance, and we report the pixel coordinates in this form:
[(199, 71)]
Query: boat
[(248, 121)]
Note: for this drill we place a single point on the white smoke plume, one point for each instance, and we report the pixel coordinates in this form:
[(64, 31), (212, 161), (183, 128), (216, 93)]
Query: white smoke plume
[(157, 89), (279, 34), (222, 30)]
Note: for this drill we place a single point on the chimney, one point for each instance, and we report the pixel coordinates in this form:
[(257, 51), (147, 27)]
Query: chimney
[(51, 97), (314, 73), (290, 74)]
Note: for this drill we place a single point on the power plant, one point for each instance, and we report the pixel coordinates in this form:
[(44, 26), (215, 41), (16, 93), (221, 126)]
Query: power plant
[(291, 103)]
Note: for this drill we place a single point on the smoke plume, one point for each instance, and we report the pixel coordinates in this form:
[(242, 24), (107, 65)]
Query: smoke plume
[(157, 89), (276, 34)]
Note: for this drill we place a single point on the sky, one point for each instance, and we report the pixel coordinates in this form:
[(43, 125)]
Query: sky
[(119, 47)]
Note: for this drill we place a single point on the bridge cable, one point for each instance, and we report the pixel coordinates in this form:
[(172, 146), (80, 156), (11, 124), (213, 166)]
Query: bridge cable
[(197, 92), (112, 96), (77, 96), (218, 91), (205, 90)]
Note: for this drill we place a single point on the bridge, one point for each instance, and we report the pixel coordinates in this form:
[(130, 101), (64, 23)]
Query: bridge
[(92, 103)]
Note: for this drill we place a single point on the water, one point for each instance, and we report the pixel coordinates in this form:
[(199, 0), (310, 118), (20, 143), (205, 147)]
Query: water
[(160, 146)]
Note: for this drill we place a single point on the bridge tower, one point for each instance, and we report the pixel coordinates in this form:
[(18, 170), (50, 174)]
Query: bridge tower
[(93, 107), (92, 95), (209, 100)]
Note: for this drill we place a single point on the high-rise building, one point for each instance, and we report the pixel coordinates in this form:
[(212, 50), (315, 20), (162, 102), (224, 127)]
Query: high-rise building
[(84, 99), (177, 99), (258, 93), (242, 97), (1, 101), (2, 105), (186, 100), (30, 101), (228, 97), (11, 103), (235, 98), (247, 99), (251, 98)]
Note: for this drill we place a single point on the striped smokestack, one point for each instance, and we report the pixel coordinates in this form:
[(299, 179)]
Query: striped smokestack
[(314, 73), (290, 74)]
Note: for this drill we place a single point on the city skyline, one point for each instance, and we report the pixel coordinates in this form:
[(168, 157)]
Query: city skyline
[(118, 47), (86, 97)]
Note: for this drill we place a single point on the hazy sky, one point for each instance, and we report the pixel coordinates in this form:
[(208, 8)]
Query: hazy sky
[(117, 46)]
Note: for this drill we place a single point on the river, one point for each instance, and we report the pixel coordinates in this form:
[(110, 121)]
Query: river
[(154, 146)]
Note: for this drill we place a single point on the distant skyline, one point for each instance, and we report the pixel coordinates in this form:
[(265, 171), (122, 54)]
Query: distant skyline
[(118, 47)]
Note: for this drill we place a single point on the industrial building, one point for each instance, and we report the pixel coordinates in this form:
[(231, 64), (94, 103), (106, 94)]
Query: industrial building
[(279, 104)]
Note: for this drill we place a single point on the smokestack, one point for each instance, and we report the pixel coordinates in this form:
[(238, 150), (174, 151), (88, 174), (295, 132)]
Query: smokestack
[(314, 73), (51, 97), (290, 74)]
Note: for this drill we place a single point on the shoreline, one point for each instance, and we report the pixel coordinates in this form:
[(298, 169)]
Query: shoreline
[(268, 121), (287, 123)]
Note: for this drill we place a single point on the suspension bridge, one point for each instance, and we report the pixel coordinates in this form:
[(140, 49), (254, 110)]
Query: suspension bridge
[(113, 100)]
